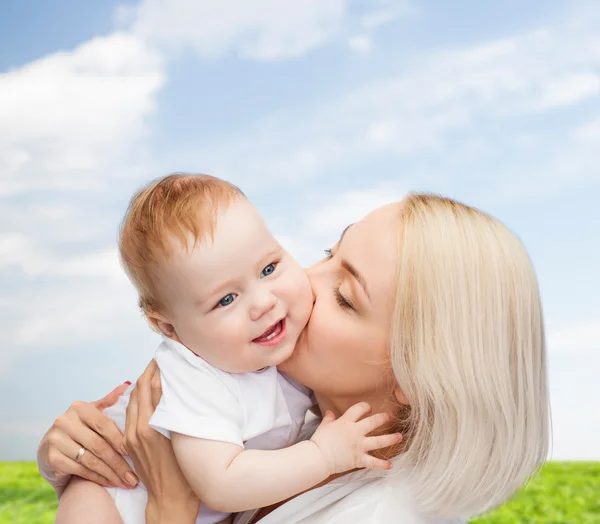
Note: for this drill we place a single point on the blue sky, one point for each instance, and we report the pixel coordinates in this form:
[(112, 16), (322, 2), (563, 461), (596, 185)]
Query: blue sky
[(320, 110)]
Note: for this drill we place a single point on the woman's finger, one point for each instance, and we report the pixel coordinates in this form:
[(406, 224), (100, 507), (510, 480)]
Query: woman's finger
[(102, 425), (62, 447), (112, 397), (155, 388), (381, 441), (91, 462), (131, 418), (88, 474), (374, 421), (144, 400)]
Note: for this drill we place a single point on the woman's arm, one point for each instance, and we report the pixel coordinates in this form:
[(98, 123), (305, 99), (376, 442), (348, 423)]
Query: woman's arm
[(84, 426), (170, 498)]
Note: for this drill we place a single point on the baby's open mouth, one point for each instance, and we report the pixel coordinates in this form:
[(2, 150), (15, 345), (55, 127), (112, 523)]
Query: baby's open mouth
[(272, 332)]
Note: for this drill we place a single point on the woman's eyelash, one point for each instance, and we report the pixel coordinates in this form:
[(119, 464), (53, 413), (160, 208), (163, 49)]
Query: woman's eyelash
[(342, 301)]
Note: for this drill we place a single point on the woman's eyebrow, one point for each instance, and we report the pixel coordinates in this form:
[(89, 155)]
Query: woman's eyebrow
[(359, 278), (352, 270)]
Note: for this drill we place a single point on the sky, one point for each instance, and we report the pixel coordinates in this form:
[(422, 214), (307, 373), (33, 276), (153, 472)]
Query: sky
[(320, 110)]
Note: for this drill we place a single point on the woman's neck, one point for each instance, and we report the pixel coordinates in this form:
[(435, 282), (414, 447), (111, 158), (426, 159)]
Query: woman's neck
[(378, 402), (339, 405)]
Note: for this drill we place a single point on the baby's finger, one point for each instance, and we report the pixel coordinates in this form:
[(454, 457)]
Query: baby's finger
[(381, 441), (371, 462), (357, 411), (374, 421), (329, 417)]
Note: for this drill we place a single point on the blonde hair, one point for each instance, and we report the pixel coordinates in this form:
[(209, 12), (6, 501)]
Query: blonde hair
[(468, 352), (177, 205)]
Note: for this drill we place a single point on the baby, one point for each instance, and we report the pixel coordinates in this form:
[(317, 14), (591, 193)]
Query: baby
[(230, 303)]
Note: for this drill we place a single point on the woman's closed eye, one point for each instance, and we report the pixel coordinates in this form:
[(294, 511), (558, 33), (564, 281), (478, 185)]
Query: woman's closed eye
[(344, 302)]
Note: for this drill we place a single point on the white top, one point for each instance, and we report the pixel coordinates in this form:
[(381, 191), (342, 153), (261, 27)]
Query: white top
[(367, 496), (259, 410)]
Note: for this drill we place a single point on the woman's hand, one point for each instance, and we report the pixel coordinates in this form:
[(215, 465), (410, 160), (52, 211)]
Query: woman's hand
[(84, 426), (170, 498)]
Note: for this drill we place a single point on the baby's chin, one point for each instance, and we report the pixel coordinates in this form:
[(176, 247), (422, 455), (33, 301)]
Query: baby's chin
[(286, 354)]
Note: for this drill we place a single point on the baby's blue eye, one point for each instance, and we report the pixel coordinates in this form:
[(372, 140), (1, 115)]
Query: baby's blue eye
[(226, 300), (268, 270)]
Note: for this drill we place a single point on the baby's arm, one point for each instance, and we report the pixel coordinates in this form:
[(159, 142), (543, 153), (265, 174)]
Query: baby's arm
[(228, 479)]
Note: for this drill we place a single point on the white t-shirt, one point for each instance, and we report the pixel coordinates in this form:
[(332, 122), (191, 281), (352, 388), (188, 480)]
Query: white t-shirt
[(365, 496), (259, 410)]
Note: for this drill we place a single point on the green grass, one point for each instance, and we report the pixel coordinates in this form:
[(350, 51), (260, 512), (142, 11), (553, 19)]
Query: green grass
[(562, 493)]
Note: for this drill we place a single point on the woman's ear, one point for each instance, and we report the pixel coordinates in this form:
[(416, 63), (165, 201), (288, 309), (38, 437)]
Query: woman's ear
[(400, 396), (162, 324)]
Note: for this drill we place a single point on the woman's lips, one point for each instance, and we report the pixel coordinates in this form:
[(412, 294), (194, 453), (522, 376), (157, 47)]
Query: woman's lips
[(272, 336)]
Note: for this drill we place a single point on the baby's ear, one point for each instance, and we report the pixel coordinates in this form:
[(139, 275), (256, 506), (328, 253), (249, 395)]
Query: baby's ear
[(161, 324)]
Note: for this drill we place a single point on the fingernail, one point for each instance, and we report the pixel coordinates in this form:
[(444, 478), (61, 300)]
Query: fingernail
[(131, 479), (389, 466), (127, 382)]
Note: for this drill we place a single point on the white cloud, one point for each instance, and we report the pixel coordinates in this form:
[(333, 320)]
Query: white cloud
[(78, 119), (361, 44), (322, 222), (262, 29), (378, 18), (68, 311), (569, 90), (20, 252), (440, 102), (68, 119), (588, 132), (381, 133), (581, 337)]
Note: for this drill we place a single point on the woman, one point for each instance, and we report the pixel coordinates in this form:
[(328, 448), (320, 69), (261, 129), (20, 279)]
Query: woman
[(426, 308)]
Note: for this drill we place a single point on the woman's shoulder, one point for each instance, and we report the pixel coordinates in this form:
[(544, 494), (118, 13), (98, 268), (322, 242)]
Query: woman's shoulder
[(381, 499), (384, 499), (366, 496)]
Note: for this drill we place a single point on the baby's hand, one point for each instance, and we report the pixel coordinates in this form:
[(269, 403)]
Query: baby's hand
[(345, 444)]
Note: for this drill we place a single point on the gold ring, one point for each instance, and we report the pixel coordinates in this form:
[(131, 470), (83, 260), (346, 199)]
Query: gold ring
[(80, 454)]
